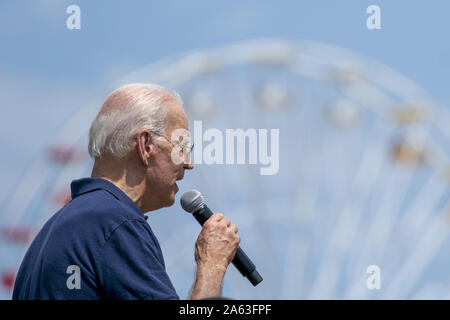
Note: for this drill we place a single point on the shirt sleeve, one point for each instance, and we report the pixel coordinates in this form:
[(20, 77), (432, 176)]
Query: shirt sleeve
[(131, 267)]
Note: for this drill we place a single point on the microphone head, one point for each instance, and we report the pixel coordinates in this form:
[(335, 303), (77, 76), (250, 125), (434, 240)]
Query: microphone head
[(192, 200)]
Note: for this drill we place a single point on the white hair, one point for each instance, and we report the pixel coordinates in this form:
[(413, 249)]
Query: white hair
[(127, 110)]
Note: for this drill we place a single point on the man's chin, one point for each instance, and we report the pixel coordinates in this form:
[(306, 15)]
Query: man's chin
[(172, 195), (171, 200)]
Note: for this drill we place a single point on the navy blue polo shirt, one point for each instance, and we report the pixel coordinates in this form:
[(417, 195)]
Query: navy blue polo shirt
[(98, 246)]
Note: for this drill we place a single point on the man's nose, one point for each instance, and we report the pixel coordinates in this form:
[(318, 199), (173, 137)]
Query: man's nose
[(189, 165)]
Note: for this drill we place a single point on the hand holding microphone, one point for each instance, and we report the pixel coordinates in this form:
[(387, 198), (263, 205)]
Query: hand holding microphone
[(217, 233), (218, 241)]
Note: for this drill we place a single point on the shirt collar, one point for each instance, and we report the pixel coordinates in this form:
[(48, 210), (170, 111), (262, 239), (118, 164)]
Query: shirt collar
[(85, 185)]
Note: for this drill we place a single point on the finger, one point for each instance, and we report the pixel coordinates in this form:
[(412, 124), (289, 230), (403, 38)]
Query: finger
[(217, 216), (234, 228), (238, 238), (227, 221)]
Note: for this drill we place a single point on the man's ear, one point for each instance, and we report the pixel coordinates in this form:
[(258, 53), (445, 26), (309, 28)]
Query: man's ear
[(144, 146)]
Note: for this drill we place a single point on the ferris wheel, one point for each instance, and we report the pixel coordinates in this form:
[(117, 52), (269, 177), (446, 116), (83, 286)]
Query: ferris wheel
[(363, 178)]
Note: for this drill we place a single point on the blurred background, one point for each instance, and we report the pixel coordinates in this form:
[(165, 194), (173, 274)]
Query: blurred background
[(364, 132)]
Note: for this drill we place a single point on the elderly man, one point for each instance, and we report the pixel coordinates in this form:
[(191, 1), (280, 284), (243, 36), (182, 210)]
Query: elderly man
[(99, 245)]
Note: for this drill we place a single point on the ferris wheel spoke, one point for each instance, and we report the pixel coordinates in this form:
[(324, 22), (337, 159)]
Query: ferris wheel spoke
[(348, 219), (434, 236)]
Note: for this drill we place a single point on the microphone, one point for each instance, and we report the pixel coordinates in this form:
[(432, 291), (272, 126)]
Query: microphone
[(192, 201)]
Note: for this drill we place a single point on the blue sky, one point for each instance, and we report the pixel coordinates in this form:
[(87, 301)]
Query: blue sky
[(48, 71)]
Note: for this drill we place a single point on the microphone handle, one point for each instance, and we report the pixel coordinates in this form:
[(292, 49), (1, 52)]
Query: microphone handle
[(241, 261)]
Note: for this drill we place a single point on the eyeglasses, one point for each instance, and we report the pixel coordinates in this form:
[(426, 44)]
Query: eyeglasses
[(184, 148)]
